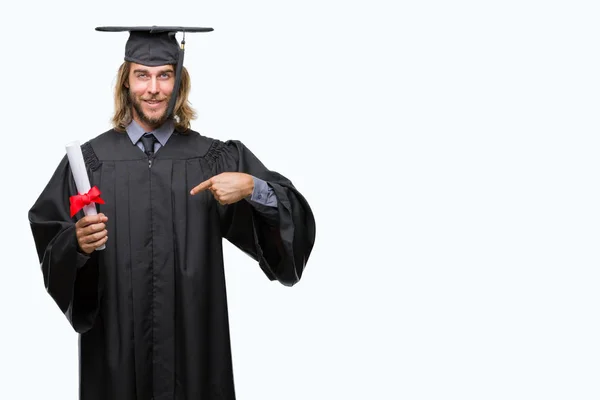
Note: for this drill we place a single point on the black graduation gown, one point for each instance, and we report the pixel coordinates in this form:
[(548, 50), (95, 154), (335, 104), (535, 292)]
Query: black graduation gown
[(151, 309)]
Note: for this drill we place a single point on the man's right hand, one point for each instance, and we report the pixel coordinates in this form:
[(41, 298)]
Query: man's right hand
[(91, 232)]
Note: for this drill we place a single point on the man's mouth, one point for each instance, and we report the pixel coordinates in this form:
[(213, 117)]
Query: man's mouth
[(153, 103)]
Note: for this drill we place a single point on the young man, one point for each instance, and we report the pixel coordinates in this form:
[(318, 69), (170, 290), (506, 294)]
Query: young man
[(151, 308)]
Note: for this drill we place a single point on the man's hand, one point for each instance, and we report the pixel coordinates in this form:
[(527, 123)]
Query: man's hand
[(228, 187), (91, 232)]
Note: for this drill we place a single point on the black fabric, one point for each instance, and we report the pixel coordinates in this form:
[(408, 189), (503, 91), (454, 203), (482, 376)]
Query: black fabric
[(148, 140), (153, 29), (152, 45), (151, 309), (152, 49)]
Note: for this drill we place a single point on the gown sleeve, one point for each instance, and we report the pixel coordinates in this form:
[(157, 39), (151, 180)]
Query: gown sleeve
[(280, 238), (70, 276)]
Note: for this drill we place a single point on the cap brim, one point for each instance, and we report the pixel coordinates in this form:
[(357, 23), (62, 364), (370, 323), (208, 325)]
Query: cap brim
[(152, 29)]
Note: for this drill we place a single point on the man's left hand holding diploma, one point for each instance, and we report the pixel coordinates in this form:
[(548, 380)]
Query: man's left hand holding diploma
[(91, 232)]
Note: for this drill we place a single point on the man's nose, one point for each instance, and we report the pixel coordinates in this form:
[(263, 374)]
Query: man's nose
[(153, 86)]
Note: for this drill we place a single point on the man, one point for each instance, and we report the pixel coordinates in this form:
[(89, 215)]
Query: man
[(151, 308)]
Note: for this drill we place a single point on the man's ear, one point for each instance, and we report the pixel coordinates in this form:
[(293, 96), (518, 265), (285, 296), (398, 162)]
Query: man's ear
[(126, 84)]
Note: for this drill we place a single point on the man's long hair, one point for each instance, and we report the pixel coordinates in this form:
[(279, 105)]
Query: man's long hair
[(183, 112)]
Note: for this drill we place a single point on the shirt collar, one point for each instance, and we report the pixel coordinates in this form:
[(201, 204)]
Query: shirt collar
[(162, 133)]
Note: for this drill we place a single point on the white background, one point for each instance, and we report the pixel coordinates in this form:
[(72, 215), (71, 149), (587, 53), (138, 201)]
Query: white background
[(449, 151)]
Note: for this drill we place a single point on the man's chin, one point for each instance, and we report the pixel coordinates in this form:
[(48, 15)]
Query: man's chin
[(155, 118), (155, 113), (150, 116)]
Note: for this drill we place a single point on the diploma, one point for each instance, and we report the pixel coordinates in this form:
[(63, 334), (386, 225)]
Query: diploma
[(80, 176)]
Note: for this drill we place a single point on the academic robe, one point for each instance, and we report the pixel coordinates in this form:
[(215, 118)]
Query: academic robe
[(151, 309)]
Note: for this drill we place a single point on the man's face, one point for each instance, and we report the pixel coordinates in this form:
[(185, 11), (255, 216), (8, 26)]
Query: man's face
[(150, 90)]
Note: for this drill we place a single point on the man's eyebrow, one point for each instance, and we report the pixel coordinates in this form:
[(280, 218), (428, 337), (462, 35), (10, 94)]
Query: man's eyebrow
[(145, 71)]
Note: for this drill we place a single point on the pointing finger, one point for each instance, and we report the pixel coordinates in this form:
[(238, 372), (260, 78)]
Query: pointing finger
[(203, 186)]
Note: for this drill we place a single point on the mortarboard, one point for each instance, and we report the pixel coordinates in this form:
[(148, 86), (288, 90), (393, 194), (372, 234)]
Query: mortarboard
[(156, 45)]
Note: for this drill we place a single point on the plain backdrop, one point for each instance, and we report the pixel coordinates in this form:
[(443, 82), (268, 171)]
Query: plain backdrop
[(449, 151)]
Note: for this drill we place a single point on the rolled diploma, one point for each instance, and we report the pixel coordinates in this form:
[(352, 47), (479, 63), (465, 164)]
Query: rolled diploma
[(80, 176)]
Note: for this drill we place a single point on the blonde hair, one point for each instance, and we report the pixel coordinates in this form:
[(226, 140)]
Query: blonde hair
[(183, 112)]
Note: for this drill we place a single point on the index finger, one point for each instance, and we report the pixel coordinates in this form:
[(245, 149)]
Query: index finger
[(203, 186)]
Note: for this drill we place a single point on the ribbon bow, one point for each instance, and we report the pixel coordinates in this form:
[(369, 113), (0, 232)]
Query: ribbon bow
[(81, 200)]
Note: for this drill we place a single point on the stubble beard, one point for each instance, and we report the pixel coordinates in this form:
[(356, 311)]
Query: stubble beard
[(146, 119)]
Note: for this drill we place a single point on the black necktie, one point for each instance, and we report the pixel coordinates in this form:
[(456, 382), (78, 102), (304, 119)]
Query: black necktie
[(148, 141)]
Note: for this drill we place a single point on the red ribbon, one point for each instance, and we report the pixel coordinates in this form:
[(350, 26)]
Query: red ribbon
[(81, 200)]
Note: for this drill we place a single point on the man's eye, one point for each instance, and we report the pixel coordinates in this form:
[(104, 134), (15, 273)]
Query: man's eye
[(165, 75), (141, 75)]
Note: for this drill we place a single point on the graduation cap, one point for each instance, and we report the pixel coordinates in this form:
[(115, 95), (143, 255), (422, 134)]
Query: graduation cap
[(156, 45)]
